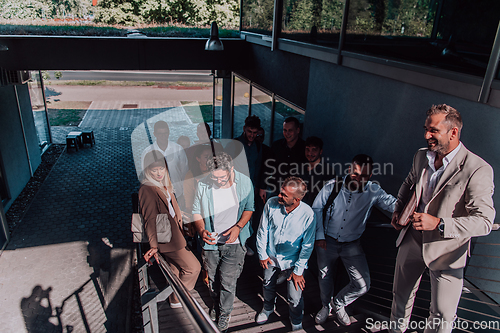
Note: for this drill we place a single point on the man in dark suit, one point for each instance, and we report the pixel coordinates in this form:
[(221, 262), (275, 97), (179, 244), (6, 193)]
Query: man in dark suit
[(454, 190)]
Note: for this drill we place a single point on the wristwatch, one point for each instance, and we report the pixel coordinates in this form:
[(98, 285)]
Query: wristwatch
[(440, 226)]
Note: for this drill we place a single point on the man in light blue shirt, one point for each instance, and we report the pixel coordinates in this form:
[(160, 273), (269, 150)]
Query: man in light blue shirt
[(285, 241), (338, 234)]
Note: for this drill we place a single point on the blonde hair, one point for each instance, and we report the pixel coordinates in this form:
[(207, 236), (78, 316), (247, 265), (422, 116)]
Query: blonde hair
[(153, 159)]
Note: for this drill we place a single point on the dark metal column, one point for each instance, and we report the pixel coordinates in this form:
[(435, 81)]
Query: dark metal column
[(491, 71)]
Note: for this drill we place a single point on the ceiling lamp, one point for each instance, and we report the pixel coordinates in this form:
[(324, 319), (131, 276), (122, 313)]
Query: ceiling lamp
[(214, 43)]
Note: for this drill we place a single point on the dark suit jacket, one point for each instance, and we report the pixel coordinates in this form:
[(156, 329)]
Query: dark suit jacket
[(153, 202), (462, 198)]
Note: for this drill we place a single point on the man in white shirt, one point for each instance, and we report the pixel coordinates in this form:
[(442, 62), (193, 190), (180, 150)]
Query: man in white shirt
[(338, 234), (285, 241), (222, 207), (177, 162)]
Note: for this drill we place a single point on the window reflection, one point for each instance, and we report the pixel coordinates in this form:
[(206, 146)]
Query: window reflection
[(313, 21), (241, 103), (281, 112), (449, 34), (39, 111), (217, 108), (257, 16), (262, 106)]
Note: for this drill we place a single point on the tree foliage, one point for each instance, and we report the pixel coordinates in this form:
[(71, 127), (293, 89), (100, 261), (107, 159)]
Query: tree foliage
[(190, 12), (127, 12), (386, 17), (44, 9)]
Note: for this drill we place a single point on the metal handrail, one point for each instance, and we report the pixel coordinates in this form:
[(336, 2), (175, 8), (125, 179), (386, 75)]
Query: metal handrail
[(200, 319)]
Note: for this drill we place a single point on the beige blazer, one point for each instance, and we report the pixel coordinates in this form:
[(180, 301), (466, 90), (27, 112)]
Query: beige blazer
[(462, 198), (153, 202)]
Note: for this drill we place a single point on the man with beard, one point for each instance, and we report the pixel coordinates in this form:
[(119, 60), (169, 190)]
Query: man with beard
[(453, 190), (314, 172), (341, 210), (285, 242), (287, 155)]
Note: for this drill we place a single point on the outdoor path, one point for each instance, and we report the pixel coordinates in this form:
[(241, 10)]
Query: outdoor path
[(68, 264), (73, 250), (119, 93)]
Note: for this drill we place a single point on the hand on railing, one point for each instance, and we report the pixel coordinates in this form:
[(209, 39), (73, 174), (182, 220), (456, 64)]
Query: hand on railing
[(153, 252)]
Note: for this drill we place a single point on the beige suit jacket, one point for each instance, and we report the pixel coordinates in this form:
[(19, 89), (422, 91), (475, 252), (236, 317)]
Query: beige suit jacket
[(462, 198)]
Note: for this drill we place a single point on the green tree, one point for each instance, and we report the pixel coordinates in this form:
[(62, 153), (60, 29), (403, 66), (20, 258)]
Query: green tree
[(118, 12), (43, 9)]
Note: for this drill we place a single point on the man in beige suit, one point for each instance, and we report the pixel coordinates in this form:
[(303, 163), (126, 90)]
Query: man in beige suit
[(454, 191)]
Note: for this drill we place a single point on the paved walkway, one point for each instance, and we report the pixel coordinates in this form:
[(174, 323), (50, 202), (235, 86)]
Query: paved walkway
[(68, 264)]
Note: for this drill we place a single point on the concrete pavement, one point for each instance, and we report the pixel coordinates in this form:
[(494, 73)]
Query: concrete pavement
[(68, 265), (118, 93)]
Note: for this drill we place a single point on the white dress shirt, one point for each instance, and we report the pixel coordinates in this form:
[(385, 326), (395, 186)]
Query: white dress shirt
[(432, 176)]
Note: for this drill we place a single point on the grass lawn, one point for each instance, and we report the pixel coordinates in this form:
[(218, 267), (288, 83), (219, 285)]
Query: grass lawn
[(198, 111), (67, 113)]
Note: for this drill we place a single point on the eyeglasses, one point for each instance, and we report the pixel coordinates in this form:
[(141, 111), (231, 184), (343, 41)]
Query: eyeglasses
[(222, 178)]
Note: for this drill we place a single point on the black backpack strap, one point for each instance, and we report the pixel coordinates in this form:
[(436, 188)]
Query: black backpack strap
[(333, 194)]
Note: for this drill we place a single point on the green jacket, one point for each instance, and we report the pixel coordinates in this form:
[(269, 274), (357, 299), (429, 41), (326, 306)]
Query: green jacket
[(204, 204)]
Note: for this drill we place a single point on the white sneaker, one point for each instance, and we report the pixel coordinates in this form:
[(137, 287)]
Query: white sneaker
[(296, 327), (175, 305), (263, 316), (343, 317)]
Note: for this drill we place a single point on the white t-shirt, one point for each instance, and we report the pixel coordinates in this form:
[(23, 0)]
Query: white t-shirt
[(225, 211)]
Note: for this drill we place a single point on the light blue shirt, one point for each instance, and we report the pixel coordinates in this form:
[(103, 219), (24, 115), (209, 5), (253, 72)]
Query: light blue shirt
[(286, 238), (346, 217), (204, 204)]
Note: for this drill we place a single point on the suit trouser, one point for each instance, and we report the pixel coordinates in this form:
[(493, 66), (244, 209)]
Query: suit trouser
[(184, 265), (446, 289)]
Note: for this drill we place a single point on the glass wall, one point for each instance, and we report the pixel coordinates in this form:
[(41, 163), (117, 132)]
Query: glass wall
[(39, 111), (262, 102), (241, 104), (257, 16), (281, 112), (262, 107), (449, 34), (312, 21), (4, 193), (455, 35), (217, 108)]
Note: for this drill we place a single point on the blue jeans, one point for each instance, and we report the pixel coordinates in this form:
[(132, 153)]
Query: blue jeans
[(294, 297), (354, 261), (224, 267)]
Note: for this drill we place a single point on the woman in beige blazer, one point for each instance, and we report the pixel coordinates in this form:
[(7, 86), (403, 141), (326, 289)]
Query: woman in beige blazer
[(155, 198)]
